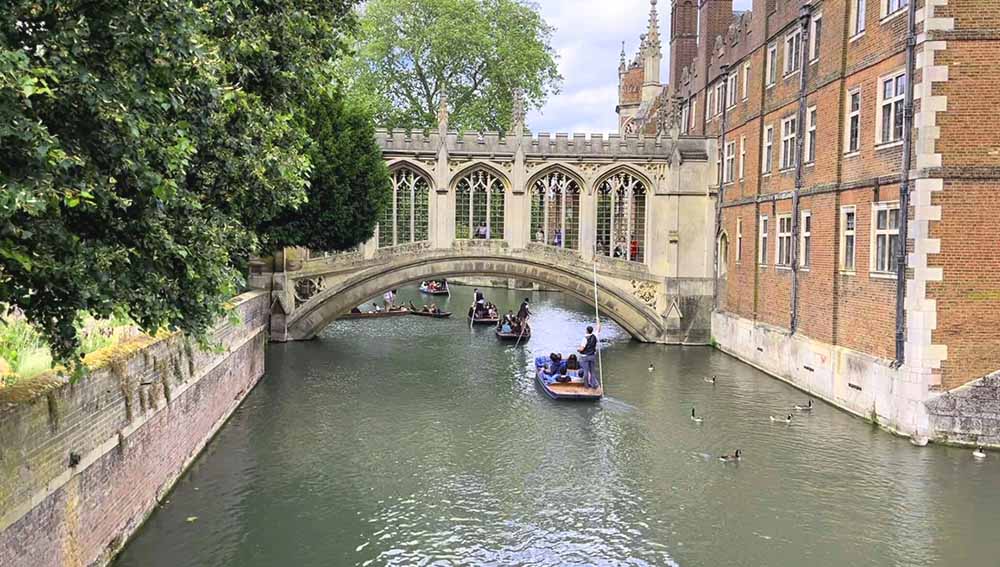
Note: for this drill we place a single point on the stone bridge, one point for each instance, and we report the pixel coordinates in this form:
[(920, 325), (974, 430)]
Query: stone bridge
[(545, 209)]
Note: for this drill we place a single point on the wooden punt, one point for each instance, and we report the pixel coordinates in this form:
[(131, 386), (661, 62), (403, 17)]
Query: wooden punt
[(438, 315), (376, 315), (424, 289), (513, 337), (568, 390)]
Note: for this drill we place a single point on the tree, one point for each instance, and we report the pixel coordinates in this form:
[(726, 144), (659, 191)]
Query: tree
[(476, 52), (350, 183), (143, 145)]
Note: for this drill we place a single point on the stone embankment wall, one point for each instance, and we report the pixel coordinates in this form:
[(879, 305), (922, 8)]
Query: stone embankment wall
[(969, 415), (861, 384), (82, 465)]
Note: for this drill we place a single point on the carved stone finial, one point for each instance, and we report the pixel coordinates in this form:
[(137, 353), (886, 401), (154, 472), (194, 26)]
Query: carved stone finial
[(443, 115), (517, 118)]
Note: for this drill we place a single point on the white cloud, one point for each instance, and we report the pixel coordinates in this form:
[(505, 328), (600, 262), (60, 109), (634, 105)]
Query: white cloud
[(588, 40)]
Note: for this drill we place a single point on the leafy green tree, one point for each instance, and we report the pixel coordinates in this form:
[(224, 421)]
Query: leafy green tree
[(476, 52), (350, 184), (143, 145)]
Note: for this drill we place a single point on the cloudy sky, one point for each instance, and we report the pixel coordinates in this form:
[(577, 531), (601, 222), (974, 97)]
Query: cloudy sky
[(588, 40)]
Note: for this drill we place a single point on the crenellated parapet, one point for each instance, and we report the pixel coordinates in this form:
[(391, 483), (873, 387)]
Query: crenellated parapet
[(544, 145)]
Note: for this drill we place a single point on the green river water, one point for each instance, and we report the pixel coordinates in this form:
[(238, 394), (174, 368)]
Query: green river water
[(413, 441)]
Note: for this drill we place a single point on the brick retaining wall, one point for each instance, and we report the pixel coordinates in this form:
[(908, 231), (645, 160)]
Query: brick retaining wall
[(134, 424)]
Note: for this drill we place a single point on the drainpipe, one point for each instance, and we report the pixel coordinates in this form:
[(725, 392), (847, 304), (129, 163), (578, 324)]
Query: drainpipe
[(805, 15), (904, 185), (724, 69)]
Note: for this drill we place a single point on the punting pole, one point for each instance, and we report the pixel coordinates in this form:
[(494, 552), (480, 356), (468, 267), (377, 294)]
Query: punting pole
[(597, 314)]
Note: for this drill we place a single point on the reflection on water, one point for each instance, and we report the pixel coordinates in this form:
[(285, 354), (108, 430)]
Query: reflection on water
[(414, 441)]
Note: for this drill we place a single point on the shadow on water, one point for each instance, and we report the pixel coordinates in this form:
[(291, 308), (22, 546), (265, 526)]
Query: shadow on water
[(414, 441)]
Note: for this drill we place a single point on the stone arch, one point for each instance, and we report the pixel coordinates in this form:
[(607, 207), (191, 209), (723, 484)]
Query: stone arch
[(604, 173), (622, 230), (636, 317), (564, 168), (554, 213), (722, 244), (407, 218), (416, 166), (473, 165), (480, 207)]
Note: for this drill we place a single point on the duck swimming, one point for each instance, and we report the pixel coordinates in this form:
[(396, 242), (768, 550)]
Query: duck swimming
[(711, 380), (694, 418), (782, 419), (651, 367), (807, 407), (979, 453), (731, 458)]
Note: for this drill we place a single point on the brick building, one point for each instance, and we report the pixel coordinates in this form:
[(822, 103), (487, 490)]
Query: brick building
[(808, 102)]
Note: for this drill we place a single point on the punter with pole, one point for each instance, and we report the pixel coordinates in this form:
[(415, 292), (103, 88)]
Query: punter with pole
[(588, 358)]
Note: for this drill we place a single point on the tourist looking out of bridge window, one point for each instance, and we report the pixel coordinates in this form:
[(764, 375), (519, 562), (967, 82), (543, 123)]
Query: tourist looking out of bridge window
[(482, 231)]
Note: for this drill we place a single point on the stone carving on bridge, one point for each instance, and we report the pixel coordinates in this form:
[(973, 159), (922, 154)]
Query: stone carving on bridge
[(307, 288), (645, 292)]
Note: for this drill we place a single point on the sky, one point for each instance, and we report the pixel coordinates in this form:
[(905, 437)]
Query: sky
[(588, 40)]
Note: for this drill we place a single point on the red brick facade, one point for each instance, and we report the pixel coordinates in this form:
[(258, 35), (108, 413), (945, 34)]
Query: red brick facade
[(953, 294)]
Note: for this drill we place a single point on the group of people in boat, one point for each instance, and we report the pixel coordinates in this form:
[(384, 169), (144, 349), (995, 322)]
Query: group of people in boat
[(434, 286), (433, 309), (516, 324), (580, 367), (482, 309)]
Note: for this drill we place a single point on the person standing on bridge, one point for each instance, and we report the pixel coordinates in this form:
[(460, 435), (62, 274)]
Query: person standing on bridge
[(588, 358)]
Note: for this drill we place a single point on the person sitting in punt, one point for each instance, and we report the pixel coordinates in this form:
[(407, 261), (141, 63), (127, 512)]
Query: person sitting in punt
[(505, 327), (434, 308), (554, 367), (355, 310), (573, 365), (376, 309)]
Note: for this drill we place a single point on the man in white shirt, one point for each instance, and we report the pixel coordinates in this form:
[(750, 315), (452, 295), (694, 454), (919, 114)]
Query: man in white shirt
[(388, 298)]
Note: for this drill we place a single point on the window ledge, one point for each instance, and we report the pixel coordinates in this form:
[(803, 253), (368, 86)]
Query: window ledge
[(848, 272), (803, 268), (852, 154), (886, 18), (790, 74), (809, 164), (769, 86), (888, 145), (856, 37), (814, 61), (783, 268), (882, 275), (766, 174)]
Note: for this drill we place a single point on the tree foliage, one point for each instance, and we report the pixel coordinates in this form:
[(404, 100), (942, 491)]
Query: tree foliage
[(144, 145), (477, 52), (350, 182)]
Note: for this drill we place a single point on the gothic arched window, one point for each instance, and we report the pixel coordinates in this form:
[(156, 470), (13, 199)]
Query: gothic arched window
[(621, 217), (479, 206), (555, 211), (405, 219)]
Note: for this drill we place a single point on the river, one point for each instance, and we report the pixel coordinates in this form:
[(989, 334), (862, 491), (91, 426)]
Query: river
[(414, 441)]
